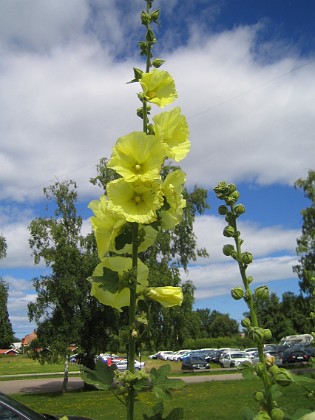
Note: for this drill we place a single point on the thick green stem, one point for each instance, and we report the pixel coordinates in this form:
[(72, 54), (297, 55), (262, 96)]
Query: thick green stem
[(253, 315), (132, 319)]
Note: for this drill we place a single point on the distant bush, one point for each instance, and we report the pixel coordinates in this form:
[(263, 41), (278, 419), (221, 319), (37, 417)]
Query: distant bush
[(219, 342)]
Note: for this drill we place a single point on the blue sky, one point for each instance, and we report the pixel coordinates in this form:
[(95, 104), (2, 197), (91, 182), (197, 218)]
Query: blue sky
[(245, 74)]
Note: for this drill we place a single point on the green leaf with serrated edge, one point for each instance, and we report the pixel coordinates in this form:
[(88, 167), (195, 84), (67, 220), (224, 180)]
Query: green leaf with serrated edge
[(124, 238), (176, 414), (109, 281), (160, 379), (247, 413), (102, 376)]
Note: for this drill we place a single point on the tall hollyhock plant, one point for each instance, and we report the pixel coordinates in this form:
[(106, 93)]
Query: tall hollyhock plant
[(138, 204)]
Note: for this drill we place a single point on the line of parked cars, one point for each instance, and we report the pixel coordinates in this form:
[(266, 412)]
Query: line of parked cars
[(233, 357)]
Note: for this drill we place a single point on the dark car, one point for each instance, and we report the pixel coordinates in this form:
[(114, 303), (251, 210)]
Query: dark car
[(293, 355), (14, 410), (194, 362)]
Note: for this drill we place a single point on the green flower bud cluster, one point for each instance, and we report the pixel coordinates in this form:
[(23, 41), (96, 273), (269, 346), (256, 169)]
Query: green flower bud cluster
[(259, 335), (280, 376)]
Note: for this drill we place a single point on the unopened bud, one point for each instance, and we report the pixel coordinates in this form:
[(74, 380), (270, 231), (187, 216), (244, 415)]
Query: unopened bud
[(246, 323), (223, 210), (229, 231), (283, 377), (277, 414), (239, 209), (262, 292), (259, 396), (246, 258), (228, 249), (237, 293)]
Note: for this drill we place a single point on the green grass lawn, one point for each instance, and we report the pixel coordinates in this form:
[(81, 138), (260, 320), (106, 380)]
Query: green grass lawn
[(21, 364), (209, 400)]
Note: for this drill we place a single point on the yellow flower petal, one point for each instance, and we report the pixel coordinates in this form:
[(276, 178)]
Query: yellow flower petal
[(158, 87), (136, 202), (167, 296), (106, 225), (171, 128), (138, 157)]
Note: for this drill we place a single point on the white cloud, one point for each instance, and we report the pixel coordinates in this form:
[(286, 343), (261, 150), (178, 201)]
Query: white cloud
[(37, 24)]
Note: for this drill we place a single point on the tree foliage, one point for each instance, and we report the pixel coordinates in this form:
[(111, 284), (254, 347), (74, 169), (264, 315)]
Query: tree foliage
[(64, 310), (6, 332), (306, 242)]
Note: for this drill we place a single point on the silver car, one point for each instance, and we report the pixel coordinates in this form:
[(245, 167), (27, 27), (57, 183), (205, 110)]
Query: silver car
[(234, 359)]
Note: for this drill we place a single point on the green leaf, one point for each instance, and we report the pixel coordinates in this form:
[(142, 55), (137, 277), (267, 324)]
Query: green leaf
[(109, 281), (124, 238), (102, 377)]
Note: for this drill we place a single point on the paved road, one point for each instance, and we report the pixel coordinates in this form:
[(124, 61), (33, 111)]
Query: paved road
[(33, 386)]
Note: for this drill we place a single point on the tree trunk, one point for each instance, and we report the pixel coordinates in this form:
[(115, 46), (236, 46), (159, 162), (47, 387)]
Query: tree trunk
[(66, 376)]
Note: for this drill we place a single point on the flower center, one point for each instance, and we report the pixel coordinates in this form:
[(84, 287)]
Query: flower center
[(151, 94), (137, 199), (137, 167)]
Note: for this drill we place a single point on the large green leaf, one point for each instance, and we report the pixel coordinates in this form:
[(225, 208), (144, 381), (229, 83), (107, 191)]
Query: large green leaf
[(102, 376)]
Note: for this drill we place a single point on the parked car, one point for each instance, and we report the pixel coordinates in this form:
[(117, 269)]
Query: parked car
[(194, 362), (177, 356), (164, 355), (12, 409), (122, 365), (295, 355), (234, 359)]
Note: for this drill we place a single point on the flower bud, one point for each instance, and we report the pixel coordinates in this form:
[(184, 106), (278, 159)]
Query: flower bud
[(145, 18), (262, 292), (150, 37), (283, 377), (273, 369), (228, 249), (232, 198), (239, 209), (277, 414), (157, 62), (155, 16), (246, 323), (256, 334), (250, 279), (270, 360), (267, 334), (222, 210), (229, 231), (246, 258), (259, 396), (237, 293), (259, 368), (248, 295)]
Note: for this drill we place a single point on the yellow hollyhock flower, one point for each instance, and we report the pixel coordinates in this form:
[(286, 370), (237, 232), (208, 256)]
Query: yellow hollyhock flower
[(172, 190), (106, 225), (136, 202), (158, 87), (137, 157), (171, 129), (121, 297), (167, 296)]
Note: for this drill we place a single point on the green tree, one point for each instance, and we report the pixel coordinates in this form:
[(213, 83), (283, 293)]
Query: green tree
[(3, 247), (223, 326), (6, 332), (64, 311), (306, 242)]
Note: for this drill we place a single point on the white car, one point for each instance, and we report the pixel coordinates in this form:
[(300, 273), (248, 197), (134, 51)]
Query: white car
[(122, 365), (164, 355), (179, 354), (234, 359)]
